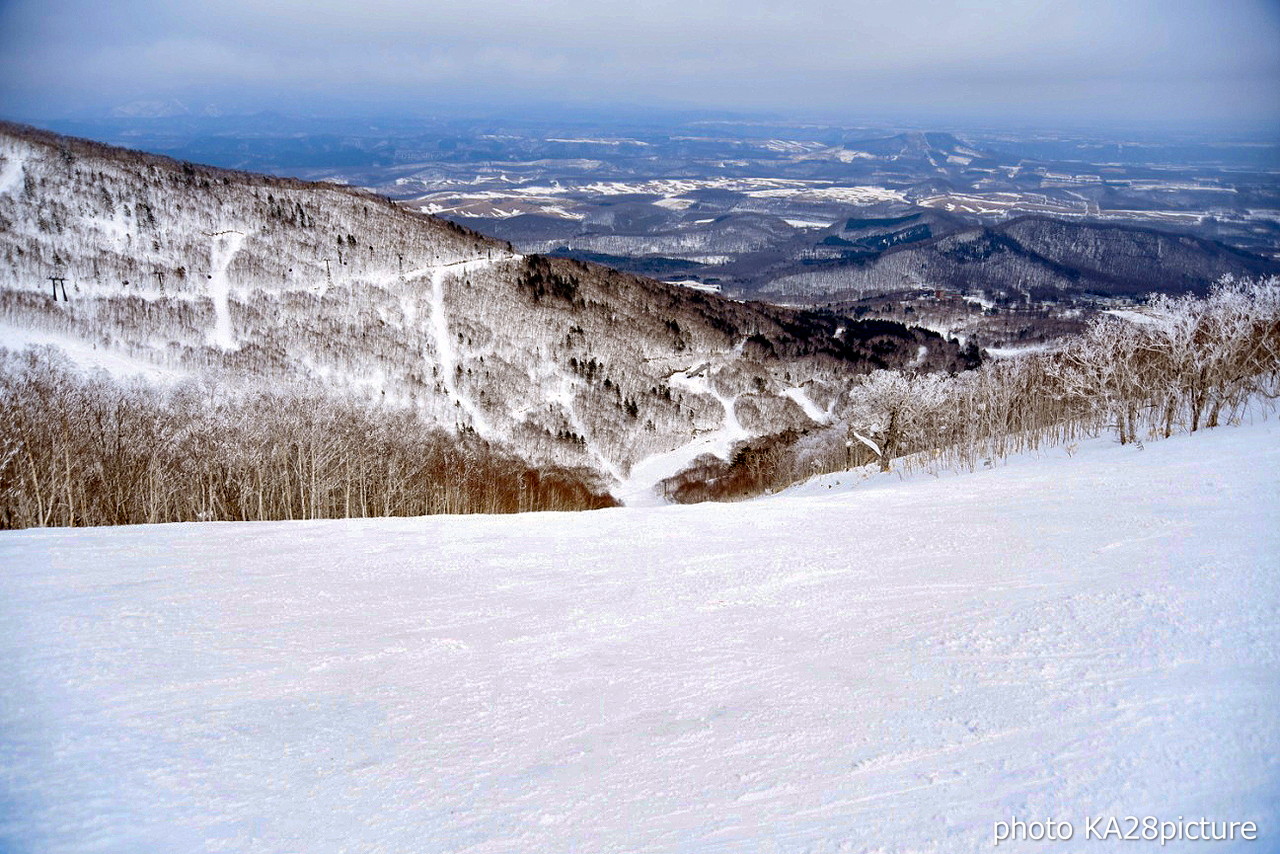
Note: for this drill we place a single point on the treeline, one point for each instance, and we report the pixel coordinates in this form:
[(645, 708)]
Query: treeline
[(79, 449), (1183, 364)]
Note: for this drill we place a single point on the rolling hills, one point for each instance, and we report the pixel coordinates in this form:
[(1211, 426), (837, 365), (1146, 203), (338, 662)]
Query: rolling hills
[(1029, 256)]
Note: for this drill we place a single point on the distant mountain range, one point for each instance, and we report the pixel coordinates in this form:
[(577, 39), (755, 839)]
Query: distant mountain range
[(755, 205)]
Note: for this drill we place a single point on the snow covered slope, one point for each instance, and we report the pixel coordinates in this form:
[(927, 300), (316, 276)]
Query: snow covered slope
[(890, 668), (188, 270)]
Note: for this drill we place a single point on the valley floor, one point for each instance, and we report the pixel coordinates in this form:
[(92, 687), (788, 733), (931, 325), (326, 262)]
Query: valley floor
[(892, 667)]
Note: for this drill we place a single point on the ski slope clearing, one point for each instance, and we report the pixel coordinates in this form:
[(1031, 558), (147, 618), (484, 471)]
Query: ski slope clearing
[(87, 355), (890, 668), (225, 246), (640, 487), (443, 341)]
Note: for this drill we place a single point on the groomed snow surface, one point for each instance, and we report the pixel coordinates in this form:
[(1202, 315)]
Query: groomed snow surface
[(887, 667)]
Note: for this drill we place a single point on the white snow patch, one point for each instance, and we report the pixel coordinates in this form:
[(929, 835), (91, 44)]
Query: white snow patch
[(1014, 352), (868, 441), (600, 141), (806, 223), (565, 396), (856, 195), (116, 228), (1132, 316), (445, 351), (694, 284), (844, 155)]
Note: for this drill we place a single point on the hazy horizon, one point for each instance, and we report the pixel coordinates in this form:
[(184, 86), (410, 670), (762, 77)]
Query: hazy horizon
[(1134, 63)]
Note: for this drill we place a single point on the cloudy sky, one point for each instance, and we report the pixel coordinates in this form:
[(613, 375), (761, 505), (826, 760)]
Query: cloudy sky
[(1181, 61)]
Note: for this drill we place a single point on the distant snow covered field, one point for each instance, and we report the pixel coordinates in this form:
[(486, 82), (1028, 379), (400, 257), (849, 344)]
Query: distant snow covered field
[(884, 666)]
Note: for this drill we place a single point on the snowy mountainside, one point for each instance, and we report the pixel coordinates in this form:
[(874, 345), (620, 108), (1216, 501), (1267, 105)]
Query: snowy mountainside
[(884, 669), (185, 269)]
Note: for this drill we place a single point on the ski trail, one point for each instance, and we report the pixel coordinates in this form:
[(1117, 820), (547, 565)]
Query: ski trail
[(224, 247), (565, 398), (637, 490), (446, 354), (810, 408)]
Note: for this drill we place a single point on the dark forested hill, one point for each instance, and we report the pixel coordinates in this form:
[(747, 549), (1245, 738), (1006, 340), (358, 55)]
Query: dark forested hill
[(1027, 255)]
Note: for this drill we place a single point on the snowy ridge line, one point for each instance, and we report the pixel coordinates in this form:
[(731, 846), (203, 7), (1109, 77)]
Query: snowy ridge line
[(352, 293)]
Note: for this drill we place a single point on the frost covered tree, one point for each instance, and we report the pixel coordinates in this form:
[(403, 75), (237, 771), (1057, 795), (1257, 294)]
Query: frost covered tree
[(895, 410)]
